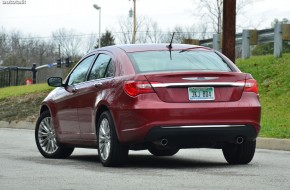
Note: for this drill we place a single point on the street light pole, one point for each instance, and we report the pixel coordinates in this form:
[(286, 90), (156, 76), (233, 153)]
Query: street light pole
[(134, 27), (99, 9)]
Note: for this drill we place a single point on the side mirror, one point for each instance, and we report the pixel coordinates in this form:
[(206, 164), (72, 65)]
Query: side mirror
[(55, 81)]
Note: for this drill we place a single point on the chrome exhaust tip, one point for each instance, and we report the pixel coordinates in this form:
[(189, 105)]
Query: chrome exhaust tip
[(162, 142), (239, 140)]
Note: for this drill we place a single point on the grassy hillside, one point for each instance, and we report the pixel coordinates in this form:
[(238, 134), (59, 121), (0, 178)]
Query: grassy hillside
[(273, 76), (15, 91), (22, 102)]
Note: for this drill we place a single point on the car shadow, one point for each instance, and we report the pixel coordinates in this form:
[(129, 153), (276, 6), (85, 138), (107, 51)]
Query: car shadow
[(150, 161), (172, 162)]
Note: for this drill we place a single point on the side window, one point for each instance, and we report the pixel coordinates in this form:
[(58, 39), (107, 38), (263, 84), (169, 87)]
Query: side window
[(100, 67), (80, 72), (110, 70)]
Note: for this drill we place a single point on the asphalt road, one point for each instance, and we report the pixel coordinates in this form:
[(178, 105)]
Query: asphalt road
[(22, 167)]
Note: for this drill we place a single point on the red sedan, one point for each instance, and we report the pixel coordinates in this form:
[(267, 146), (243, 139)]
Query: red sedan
[(136, 97)]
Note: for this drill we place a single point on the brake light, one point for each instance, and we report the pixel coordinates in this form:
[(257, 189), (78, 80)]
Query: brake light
[(134, 88), (251, 86)]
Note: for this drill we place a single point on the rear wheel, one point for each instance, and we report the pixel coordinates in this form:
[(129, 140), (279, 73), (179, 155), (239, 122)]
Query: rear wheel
[(240, 153), (46, 141), (163, 151), (111, 151)]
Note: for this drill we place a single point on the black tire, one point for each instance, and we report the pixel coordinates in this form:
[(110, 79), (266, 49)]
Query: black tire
[(46, 141), (163, 151), (111, 152), (239, 153)]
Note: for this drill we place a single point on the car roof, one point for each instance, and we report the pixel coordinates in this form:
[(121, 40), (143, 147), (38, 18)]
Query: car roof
[(128, 48)]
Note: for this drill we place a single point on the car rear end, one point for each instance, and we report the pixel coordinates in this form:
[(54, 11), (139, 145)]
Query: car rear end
[(193, 98)]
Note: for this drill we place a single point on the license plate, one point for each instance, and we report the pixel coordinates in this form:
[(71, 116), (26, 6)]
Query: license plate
[(200, 93)]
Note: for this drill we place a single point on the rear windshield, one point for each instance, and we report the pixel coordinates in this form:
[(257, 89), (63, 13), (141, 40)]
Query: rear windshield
[(154, 61)]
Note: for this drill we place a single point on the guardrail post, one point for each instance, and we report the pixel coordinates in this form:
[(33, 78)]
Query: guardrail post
[(216, 42), (278, 42), (246, 44)]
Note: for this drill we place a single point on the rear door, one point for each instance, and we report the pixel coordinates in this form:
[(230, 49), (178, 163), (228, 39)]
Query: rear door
[(99, 78)]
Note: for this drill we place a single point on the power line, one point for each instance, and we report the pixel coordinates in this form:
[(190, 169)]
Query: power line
[(95, 34)]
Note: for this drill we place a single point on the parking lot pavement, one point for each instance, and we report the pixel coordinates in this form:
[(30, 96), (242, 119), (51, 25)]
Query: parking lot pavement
[(262, 143)]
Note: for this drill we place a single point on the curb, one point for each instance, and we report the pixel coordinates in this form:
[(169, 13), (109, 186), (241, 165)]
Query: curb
[(17, 124), (262, 143), (273, 144)]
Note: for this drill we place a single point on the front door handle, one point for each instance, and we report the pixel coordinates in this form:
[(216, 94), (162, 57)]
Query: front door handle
[(97, 85)]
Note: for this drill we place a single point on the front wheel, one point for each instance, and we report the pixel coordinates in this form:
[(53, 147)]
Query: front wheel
[(111, 151), (240, 153), (46, 141)]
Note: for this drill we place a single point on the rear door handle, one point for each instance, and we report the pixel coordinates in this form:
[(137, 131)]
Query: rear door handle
[(98, 84), (74, 90)]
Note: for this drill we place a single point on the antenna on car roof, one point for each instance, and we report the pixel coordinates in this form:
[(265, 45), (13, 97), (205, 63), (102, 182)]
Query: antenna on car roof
[(170, 45)]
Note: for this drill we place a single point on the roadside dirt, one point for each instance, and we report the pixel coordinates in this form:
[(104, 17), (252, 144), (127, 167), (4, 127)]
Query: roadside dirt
[(23, 108)]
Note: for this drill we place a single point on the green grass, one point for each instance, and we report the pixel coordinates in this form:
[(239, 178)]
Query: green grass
[(15, 91), (273, 76), (22, 102)]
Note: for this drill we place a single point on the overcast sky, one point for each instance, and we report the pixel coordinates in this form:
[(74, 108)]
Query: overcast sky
[(42, 17)]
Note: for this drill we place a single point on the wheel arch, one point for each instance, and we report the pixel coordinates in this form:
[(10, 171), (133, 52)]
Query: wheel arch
[(46, 106), (43, 109), (102, 108)]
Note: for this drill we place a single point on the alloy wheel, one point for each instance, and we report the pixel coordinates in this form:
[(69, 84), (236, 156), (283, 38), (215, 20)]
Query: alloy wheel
[(46, 136), (104, 139)]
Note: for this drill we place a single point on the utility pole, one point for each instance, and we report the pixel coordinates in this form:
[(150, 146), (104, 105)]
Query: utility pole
[(134, 23), (229, 29)]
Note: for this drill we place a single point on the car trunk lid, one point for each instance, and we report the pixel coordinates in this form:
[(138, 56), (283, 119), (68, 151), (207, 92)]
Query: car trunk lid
[(197, 87)]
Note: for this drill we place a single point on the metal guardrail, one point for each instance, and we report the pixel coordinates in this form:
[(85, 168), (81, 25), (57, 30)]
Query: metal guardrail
[(252, 37)]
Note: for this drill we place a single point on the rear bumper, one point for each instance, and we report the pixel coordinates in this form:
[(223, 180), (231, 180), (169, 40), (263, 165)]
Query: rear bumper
[(150, 119), (202, 135)]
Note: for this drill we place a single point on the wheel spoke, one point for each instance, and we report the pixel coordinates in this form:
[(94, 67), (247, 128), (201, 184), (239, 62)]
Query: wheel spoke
[(44, 127)]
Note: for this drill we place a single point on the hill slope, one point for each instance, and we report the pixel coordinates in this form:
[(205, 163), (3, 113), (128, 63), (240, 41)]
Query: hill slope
[(273, 76), (22, 102)]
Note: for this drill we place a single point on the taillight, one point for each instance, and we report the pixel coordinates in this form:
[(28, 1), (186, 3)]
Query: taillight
[(251, 86), (134, 88)]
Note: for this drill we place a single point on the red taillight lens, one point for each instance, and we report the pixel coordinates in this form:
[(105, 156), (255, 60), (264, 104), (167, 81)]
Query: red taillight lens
[(134, 88), (251, 86)]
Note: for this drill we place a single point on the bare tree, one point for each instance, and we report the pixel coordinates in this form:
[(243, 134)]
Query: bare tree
[(147, 31), (181, 33), (211, 11), (4, 47), (17, 49), (150, 33), (203, 28), (69, 41), (126, 30), (91, 42)]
